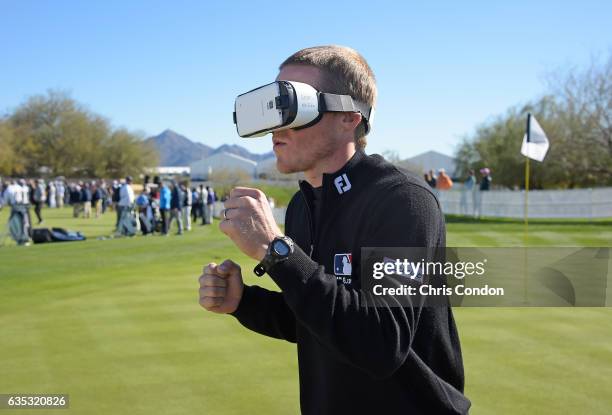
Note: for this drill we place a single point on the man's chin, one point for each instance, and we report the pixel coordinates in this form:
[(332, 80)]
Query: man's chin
[(284, 168)]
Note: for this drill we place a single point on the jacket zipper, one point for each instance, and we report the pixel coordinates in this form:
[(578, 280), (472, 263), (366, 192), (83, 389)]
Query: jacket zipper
[(310, 223)]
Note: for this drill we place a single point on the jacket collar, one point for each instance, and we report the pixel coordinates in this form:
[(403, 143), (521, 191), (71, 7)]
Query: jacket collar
[(340, 182)]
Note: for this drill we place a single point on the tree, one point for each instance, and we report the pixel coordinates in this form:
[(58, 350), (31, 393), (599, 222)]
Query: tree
[(7, 156), (576, 116), (125, 154), (55, 133), (586, 101)]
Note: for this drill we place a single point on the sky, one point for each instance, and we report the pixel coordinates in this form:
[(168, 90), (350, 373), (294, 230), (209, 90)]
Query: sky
[(442, 68)]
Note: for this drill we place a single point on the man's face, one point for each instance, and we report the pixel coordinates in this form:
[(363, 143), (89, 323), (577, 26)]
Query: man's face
[(300, 150)]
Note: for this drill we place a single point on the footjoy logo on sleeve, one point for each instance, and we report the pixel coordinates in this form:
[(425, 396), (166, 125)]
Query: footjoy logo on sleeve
[(342, 183)]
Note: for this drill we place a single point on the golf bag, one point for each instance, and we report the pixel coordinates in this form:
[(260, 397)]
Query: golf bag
[(41, 235), (127, 223), (44, 235), (147, 220), (62, 235), (19, 224)]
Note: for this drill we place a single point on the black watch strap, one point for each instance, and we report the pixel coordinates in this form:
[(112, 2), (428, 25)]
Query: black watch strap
[(272, 257), (259, 270)]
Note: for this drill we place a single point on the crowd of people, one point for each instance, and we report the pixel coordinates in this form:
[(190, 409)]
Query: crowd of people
[(34, 193), (161, 203), (157, 206), (471, 189)]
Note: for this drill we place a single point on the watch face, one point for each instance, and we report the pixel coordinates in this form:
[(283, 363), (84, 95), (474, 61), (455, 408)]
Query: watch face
[(280, 248)]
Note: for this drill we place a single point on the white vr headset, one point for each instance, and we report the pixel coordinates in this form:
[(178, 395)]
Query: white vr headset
[(288, 104)]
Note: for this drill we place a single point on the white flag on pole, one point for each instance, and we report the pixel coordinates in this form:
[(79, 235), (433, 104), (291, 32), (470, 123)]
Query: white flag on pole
[(535, 143)]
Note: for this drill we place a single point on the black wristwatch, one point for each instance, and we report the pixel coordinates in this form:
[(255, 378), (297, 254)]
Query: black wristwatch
[(279, 250)]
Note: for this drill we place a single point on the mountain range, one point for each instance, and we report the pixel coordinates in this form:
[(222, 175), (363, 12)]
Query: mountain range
[(177, 150)]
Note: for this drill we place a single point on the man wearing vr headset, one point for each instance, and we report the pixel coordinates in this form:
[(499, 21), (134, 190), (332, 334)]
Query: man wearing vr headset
[(352, 359)]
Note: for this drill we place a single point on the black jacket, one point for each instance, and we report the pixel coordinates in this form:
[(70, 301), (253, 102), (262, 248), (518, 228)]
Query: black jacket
[(354, 359), (176, 200), (85, 195)]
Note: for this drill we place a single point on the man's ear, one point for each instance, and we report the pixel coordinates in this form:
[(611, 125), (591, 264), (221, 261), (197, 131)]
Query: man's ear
[(350, 120)]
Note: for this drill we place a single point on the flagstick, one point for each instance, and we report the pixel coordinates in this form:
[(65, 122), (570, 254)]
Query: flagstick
[(526, 198), (526, 230), (528, 133)]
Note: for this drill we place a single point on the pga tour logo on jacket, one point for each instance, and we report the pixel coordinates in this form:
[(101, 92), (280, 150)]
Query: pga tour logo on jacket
[(342, 183), (343, 267)]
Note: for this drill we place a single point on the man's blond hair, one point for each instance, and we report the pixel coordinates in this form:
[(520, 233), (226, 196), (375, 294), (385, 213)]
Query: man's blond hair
[(345, 72)]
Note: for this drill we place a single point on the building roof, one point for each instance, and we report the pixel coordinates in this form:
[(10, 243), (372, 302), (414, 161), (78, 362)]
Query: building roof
[(433, 160), (222, 155)]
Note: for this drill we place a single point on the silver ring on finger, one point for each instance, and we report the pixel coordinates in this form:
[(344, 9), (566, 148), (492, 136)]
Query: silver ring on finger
[(225, 214)]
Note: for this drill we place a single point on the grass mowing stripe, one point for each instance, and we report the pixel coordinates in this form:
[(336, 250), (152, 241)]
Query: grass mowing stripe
[(540, 357), (116, 324)]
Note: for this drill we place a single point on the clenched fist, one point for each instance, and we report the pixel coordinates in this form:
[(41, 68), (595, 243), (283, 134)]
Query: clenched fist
[(249, 221), (221, 287)]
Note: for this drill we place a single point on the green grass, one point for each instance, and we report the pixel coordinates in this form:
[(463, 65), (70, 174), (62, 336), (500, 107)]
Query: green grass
[(116, 324)]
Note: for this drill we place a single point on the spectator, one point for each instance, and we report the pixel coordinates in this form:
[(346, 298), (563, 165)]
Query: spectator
[(210, 204), (188, 199), (60, 191), (468, 191), (154, 195), (103, 197), (51, 195), (116, 196), (9, 193), (86, 198), (485, 185), (203, 206), (444, 182), (164, 207), (26, 196), (430, 178), (96, 198), (176, 207), (75, 199), (38, 197), (31, 186), (25, 192), (195, 203), (126, 197)]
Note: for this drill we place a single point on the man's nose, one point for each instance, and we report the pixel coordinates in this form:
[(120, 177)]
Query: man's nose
[(282, 134)]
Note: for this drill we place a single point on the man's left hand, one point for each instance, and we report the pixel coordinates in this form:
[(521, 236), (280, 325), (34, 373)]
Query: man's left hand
[(249, 222)]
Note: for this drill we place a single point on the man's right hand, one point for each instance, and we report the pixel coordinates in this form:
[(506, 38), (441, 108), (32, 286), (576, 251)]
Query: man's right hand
[(221, 287)]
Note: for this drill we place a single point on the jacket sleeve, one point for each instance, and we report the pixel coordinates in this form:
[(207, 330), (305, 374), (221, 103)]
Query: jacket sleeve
[(267, 313), (376, 339), (264, 311)]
